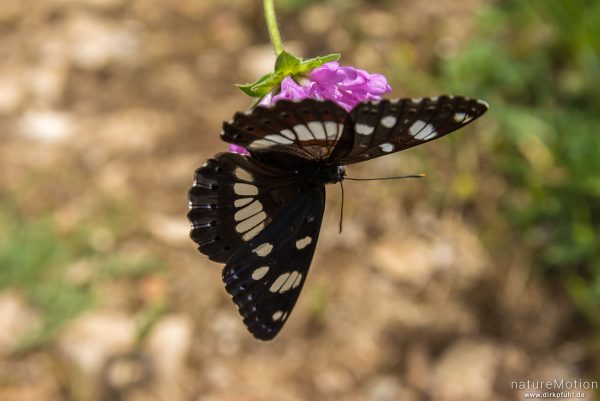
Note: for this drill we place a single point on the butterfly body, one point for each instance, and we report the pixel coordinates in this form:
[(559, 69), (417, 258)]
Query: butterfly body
[(261, 214)]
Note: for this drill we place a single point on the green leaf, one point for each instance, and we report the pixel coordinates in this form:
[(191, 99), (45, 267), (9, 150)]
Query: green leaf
[(286, 63), (262, 86)]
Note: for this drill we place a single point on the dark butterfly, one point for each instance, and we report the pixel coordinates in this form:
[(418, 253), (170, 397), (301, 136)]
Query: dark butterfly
[(261, 214)]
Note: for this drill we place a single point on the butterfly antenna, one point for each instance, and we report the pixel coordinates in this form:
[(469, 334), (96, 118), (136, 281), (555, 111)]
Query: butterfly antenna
[(342, 208), (386, 178)]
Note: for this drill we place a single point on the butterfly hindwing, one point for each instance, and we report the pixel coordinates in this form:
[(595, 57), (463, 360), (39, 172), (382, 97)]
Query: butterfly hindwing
[(308, 129), (379, 128), (233, 199), (265, 276)]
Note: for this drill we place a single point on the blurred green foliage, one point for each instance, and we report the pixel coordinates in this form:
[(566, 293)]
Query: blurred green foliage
[(538, 64), (59, 273)]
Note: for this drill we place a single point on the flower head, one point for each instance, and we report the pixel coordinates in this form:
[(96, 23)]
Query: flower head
[(346, 86)]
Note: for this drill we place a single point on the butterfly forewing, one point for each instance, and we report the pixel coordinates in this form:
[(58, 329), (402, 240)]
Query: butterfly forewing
[(265, 276), (308, 129), (233, 199), (379, 128)]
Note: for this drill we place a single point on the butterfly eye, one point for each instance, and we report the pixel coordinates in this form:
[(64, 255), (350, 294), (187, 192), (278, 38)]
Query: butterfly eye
[(249, 128), (213, 187)]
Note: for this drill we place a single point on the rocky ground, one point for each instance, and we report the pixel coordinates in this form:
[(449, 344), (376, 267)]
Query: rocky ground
[(106, 109)]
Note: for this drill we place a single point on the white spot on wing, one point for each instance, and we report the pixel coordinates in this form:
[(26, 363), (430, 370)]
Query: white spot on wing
[(245, 189), (289, 282), (462, 118), (254, 232), (363, 129), (278, 139), (421, 130), (261, 144), (303, 132), (248, 211), (279, 282), (388, 121), (288, 134), (242, 202), (483, 103), (263, 249), (303, 243), (333, 129), (386, 147), (277, 315), (286, 281), (317, 129), (297, 281), (242, 174), (249, 223), (260, 272)]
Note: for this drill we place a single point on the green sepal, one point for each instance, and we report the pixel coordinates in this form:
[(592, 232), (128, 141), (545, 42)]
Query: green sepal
[(262, 86), (286, 64), (312, 63)]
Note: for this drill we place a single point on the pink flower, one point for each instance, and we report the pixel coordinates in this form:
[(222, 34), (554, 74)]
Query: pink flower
[(289, 90), (238, 149), (346, 86)]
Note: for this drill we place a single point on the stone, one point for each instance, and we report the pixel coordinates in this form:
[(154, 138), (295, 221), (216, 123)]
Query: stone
[(465, 371), (167, 347), (89, 341), (17, 319), (47, 83), (46, 125), (11, 94), (95, 43)]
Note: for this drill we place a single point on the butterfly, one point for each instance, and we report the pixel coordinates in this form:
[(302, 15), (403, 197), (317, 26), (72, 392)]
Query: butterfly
[(261, 214)]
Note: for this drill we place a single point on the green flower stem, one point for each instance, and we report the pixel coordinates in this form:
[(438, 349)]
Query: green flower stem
[(272, 26)]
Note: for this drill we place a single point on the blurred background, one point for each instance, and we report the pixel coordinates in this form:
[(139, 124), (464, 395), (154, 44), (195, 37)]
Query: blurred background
[(445, 288)]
